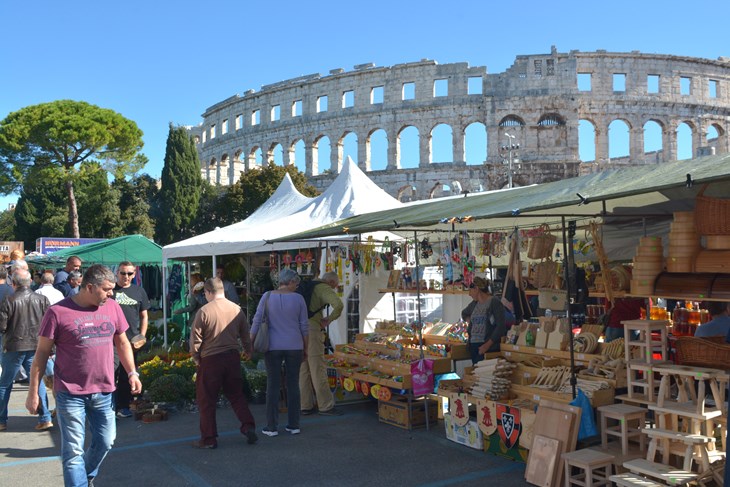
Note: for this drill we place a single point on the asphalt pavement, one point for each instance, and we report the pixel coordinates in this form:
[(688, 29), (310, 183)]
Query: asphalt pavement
[(350, 450)]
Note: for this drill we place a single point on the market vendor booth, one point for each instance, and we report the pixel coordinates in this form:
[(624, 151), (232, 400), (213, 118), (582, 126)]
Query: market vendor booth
[(634, 226)]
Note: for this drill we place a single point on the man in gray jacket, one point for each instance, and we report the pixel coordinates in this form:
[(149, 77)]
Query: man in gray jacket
[(20, 319)]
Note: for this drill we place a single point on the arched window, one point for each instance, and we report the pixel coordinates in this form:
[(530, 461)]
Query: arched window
[(551, 119), (511, 121)]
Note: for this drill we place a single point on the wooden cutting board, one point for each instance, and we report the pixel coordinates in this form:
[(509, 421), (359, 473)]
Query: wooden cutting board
[(558, 424)]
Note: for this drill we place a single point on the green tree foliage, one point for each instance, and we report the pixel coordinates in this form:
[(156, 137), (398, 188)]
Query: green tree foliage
[(211, 209), (41, 210), (179, 197), (256, 186), (135, 196), (42, 207), (98, 204), (64, 134), (7, 225)]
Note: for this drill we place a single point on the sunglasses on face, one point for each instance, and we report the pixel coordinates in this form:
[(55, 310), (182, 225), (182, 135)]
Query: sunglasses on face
[(126, 273)]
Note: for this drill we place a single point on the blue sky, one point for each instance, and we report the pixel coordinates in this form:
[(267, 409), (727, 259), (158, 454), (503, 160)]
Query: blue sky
[(160, 61)]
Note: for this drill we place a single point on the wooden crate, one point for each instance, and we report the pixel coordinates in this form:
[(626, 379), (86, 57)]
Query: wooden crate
[(398, 412)]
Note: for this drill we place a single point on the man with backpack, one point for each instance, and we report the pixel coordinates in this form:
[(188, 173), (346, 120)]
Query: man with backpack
[(313, 373)]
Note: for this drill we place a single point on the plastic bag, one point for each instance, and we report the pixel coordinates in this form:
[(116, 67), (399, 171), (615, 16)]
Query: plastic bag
[(422, 377), (587, 423)]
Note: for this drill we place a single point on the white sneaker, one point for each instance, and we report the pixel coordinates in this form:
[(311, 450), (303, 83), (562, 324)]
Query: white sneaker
[(294, 431), (269, 432)]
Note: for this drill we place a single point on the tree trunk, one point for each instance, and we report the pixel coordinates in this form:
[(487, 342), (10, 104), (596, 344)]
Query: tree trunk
[(73, 213)]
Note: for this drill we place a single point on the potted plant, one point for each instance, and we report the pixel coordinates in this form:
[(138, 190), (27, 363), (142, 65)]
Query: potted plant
[(257, 381)]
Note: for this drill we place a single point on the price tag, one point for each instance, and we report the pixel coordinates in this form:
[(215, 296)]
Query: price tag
[(507, 354), (538, 351), (536, 398), (526, 375), (581, 356)]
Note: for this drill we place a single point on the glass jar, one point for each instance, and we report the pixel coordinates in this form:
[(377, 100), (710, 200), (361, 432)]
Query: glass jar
[(681, 321), (704, 316)]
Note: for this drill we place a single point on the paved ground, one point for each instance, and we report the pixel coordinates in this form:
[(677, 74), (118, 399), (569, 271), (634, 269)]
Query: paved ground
[(351, 450)]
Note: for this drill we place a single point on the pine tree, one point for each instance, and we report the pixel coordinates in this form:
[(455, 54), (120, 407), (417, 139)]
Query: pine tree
[(179, 196)]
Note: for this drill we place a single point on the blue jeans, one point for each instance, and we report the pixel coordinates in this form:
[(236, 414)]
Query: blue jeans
[(474, 352), (292, 360), (72, 412), (11, 364)]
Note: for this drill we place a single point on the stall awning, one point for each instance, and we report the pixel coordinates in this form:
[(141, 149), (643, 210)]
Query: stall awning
[(651, 190), (137, 249)]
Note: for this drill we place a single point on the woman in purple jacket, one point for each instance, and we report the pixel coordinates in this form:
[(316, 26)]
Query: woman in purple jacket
[(286, 313)]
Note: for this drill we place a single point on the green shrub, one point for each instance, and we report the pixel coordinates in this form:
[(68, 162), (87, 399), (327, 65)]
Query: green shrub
[(171, 388)]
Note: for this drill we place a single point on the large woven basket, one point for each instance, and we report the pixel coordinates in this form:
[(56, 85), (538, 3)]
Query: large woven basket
[(712, 215), (541, 246), (545, 273), (711, 352)]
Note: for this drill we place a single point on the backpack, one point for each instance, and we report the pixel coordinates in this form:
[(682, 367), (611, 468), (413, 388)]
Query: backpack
[(306, 288)]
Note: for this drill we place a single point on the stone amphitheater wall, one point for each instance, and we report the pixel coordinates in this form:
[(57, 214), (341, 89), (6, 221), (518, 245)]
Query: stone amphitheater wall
[(538, 102)]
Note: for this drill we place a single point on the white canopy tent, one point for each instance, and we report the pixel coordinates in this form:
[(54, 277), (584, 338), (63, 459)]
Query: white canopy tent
[(287, 212)]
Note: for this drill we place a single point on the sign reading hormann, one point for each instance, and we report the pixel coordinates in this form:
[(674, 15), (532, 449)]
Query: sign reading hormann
[(48, 245)]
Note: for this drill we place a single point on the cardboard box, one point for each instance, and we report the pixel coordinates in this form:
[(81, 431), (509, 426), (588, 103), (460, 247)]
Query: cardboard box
[(398, 412), (469, 435)]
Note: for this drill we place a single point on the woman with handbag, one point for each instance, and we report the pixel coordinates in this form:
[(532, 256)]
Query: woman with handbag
[(485, 315), (282, 316)]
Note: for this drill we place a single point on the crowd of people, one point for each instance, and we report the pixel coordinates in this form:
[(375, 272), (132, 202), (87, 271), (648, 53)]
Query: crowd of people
[(79, 335)]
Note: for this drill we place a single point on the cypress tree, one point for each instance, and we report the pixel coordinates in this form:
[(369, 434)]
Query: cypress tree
[(179, 196)]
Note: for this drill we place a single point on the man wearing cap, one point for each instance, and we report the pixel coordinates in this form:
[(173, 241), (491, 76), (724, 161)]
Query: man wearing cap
[(485, 316)]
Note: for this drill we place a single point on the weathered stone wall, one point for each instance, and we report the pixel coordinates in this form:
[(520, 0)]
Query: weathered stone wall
[(537, 101)]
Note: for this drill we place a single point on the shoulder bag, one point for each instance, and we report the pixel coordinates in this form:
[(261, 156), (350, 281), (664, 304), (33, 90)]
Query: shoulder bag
[(261, 342)]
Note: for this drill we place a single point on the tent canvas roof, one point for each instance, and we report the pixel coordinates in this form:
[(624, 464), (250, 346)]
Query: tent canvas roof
[(135, 248), (657, 189), (351, 193)]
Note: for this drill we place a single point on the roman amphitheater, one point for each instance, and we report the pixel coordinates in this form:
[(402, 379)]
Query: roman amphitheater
[(393, 117)]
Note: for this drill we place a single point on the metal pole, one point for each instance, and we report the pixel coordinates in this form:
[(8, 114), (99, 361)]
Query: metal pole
[(566, 274), (419, 325)]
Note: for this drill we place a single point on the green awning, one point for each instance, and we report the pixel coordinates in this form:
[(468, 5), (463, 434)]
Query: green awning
[(652, 190), (137, 249)]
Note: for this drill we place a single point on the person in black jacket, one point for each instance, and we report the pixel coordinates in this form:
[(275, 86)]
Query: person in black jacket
[(20, 319)]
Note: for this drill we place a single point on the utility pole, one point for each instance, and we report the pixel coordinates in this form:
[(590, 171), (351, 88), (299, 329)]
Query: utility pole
[(512, 156)]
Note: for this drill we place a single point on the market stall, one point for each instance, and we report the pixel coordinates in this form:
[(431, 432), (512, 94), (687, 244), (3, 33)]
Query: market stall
[(632, 211)]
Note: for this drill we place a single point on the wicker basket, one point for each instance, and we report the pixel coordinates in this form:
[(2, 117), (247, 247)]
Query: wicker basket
[(711, 352), (712, 215), (545, 273), (541, 246)]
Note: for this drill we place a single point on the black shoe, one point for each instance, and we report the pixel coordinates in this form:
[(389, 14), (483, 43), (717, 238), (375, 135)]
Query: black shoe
[(251, 436), (331, 412), (307, 412), (204, 446)]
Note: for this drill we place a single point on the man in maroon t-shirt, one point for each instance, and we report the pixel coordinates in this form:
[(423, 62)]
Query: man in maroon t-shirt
[(85, 328)]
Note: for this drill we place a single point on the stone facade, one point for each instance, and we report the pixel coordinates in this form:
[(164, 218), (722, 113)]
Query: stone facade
[(539, 101)]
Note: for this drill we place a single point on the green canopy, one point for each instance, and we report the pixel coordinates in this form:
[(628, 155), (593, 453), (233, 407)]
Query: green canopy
[(651, 190), (137, 249)]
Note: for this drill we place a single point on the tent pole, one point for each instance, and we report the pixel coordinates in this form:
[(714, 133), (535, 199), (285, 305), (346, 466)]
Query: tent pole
[(566, 275), (164, 303), (419, 323)]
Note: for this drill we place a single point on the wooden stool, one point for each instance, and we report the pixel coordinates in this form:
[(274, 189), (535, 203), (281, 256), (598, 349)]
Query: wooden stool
[(624, 414), (590, 461)]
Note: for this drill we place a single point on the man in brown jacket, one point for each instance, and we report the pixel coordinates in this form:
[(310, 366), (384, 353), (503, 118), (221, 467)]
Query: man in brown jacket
[(214, 345)]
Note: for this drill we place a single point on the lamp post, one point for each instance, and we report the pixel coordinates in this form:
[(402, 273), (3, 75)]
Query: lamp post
[(512, 156)]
